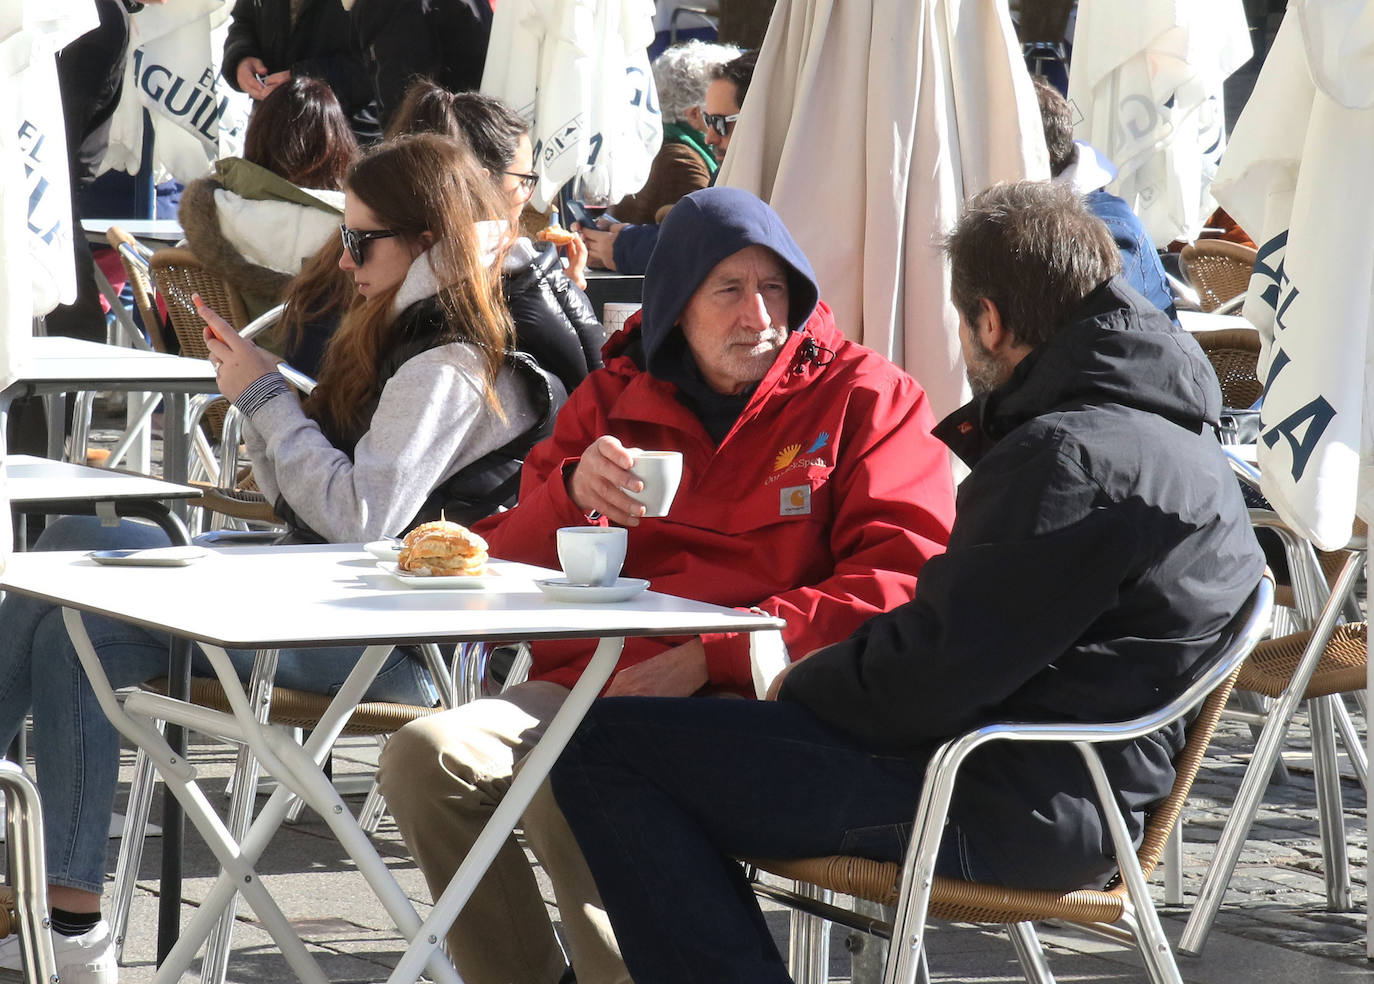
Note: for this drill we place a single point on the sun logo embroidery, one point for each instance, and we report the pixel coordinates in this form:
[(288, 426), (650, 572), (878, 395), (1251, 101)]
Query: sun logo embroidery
[(786, 456)]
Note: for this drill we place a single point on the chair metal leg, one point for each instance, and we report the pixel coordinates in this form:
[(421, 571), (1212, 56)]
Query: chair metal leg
[(27, 870), (1173, 865), (1257, 704), (1350, 738), (131, 847), (374, 806), (1030, 953), (1256, 777), (808, 959), (1140, 912), (1330, 810), (244, 795)]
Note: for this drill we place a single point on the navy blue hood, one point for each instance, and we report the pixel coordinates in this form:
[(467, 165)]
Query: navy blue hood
[(700, 231)]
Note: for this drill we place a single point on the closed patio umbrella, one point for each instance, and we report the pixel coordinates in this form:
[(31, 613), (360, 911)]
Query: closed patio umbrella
[(1146, 77), (175, 50), (1296, 177), (578, 71), (866, 126), (36, 268)]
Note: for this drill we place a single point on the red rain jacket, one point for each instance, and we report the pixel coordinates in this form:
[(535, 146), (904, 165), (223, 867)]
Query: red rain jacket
[(819, 506)]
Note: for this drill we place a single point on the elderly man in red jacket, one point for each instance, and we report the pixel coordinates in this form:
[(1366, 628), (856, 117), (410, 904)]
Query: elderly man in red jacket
[(812, 489)]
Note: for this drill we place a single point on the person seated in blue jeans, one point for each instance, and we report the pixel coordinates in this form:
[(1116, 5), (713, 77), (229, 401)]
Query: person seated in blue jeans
[(421, 396), (1099, 548)]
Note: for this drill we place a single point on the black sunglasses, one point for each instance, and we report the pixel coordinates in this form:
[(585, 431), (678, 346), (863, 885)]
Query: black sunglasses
[(528, 179), (353, 240), (719, 122)]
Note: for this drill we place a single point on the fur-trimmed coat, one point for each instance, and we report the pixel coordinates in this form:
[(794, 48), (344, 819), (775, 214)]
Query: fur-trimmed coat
[(256, 245)]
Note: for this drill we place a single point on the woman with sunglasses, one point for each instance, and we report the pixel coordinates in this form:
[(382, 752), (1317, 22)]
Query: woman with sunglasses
[(554, 321), (422, 405)]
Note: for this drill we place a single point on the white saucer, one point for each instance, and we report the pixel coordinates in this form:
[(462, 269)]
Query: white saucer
[(383, 549), (470, 581), (624, 589)]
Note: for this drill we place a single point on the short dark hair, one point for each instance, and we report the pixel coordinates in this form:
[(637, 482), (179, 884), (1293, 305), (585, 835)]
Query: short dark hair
[(1056, 115), (1034, 250), (300, 132), (739, 72)]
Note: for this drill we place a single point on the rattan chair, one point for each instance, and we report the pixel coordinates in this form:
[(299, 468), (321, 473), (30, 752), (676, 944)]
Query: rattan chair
[(1315, 666), (1219, 271), (1122, 909), (1234, 354)]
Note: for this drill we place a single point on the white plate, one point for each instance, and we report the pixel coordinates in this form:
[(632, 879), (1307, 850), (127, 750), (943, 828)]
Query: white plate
[(471, 581), (624, 589), (383, 549)]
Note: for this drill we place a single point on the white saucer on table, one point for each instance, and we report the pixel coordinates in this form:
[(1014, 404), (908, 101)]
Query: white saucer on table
[(384, 549), (433, 581), (561, 589)]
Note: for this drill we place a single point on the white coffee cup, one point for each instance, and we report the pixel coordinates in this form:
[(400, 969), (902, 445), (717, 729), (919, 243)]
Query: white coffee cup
[(660, 471), (591, 555)]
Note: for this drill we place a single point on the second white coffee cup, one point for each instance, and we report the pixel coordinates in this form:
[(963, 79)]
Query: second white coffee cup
[(591, 555), (660, 471)]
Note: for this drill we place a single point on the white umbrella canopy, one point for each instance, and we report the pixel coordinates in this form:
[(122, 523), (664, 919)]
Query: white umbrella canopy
[(578, 71), (36, 266), (1296, 176), (175, 50), (37, 271), (1147, 78), (866, 126)]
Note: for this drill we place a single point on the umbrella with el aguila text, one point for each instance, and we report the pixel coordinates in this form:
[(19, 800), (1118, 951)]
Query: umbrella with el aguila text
[(37, 271), (866, 126), (578, 72), (173, 72), (1296, 176)]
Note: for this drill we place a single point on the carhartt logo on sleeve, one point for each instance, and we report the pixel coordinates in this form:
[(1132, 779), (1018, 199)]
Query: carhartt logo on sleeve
[(795, 501)]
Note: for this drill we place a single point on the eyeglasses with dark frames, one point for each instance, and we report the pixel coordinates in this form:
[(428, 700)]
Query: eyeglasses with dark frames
[(355, 239), (719, 122), (528, 179)]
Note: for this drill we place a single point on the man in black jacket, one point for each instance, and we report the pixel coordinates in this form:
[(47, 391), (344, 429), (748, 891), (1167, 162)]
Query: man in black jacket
[(1100, 546)]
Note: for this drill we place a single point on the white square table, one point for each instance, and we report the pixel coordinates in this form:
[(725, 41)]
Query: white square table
[(329, 596), (55, 365)]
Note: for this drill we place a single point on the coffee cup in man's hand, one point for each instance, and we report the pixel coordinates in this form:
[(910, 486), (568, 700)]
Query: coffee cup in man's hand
[(660, 471)]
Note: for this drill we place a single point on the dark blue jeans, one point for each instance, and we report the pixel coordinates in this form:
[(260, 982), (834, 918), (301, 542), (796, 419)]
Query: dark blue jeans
[(662, 794)]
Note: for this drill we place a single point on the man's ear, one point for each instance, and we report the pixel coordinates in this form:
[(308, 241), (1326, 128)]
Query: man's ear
[(694, 118), (992, 332)]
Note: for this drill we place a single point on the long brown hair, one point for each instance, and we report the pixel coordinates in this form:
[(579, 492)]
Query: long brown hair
[(417, 184)]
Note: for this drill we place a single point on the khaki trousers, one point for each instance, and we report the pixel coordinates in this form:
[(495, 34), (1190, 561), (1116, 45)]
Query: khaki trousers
[(443, 776)]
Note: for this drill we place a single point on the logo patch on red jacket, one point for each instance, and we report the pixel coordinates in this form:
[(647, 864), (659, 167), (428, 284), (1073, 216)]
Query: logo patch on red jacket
[(795, 500)]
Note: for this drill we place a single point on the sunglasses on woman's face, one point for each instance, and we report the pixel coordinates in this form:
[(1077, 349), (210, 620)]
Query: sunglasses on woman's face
[(719, 122), (355, 239)]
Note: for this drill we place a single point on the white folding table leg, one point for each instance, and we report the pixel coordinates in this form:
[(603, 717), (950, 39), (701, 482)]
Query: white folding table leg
[(179, 778), (298, 769), (425, 943)]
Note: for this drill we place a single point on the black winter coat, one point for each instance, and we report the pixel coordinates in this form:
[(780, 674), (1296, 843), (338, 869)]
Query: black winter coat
[(1099, 547), (319, 45), (554, 321), (442, 40)]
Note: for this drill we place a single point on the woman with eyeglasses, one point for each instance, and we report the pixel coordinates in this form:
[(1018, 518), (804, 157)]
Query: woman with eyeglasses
[(554, 321), (422, 405)]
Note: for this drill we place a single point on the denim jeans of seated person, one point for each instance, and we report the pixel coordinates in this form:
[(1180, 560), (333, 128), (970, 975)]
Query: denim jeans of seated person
[(661, 794), (75, 749)]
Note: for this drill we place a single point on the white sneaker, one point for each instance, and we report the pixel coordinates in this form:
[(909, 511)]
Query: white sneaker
[(85, 959)]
